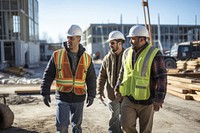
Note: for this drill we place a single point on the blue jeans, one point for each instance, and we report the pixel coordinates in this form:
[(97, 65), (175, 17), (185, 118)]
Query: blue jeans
[(114, 122), (66, 113)]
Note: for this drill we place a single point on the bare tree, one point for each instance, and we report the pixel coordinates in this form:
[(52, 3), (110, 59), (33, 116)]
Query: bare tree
[(46, 37), (61, 39)]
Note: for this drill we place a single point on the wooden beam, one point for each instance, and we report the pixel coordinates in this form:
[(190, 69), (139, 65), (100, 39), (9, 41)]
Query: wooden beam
[(32, 90), (185, 80), (180, 90), (197, 92), (193, 86), (184, 96), (172, 71), (192, 75), (195, 97)]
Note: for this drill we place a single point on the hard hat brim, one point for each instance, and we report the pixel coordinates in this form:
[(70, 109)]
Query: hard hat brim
[(72, 35), (129, 36), (135, 36)]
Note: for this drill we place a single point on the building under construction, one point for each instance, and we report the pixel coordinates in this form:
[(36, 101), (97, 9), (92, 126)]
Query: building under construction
[(95, 36), (19, 33)]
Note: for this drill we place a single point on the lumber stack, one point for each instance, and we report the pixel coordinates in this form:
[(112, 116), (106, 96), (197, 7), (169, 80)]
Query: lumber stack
[(187, 88), (181, 65), (191, 65)]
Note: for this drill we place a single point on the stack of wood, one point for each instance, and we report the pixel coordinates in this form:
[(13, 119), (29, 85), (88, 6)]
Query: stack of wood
[(187, 88), (193, 65), (181, 65)]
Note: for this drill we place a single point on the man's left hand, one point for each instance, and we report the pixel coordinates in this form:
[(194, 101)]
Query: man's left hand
[(89, 101)]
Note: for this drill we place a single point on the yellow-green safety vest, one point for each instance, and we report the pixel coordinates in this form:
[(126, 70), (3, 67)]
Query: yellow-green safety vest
[(136, 81)]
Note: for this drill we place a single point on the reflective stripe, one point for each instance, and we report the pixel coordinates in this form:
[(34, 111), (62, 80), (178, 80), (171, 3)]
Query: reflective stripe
[(60, 88), (65, 82), (60, 59), (60, 81), (146, 61), (86, 60)]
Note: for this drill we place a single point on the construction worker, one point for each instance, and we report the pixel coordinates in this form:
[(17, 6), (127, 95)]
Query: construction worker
[(73, 70), (142, 82), (108, 74)]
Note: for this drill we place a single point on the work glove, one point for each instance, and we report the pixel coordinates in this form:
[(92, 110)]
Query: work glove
[(47, 100), (157, 106), (89, 101)]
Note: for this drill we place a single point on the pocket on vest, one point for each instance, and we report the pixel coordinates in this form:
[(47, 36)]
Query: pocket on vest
[(142, 89)]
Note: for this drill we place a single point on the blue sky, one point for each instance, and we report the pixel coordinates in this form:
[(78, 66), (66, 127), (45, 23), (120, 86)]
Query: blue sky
[(55, 16)]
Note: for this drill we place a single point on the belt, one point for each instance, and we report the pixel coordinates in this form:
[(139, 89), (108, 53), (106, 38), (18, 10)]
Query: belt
[(142, 102)]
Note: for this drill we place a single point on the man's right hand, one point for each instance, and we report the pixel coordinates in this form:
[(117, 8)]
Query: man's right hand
[(118, 96), (47, 100), (101, 97)]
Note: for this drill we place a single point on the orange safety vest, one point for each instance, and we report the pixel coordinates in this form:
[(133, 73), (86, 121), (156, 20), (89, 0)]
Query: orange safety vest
[(65, 81)]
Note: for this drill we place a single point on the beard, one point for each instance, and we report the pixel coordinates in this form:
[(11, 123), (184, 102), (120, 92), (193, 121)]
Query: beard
[(135, 44), (114, 49)]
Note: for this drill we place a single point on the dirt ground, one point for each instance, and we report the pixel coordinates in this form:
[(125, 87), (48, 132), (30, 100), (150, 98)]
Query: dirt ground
[(32, 116)]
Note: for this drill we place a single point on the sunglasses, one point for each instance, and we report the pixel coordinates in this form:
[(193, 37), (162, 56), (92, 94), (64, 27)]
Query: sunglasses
[(72, 38), (113, 42)]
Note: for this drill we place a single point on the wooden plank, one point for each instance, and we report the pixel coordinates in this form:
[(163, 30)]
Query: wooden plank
[(183, 91), (192, 75), (184, 96), (32, 90), (172, 71), (197, 92), (195, 97), (185, 80), (194, 86)]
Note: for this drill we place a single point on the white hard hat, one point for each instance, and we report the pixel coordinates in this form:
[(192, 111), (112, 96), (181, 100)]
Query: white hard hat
[(74, 30), (115, 35), (138, 30)]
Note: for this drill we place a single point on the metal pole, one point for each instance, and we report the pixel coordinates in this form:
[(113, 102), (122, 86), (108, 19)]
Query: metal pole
[(145, 4)]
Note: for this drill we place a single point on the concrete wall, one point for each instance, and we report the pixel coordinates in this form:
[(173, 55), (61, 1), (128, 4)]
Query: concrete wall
[(34, 54)]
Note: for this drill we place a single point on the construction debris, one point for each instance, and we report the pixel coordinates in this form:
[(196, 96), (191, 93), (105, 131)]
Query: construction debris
[(16, 100), (6, 78), (16, 70)]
